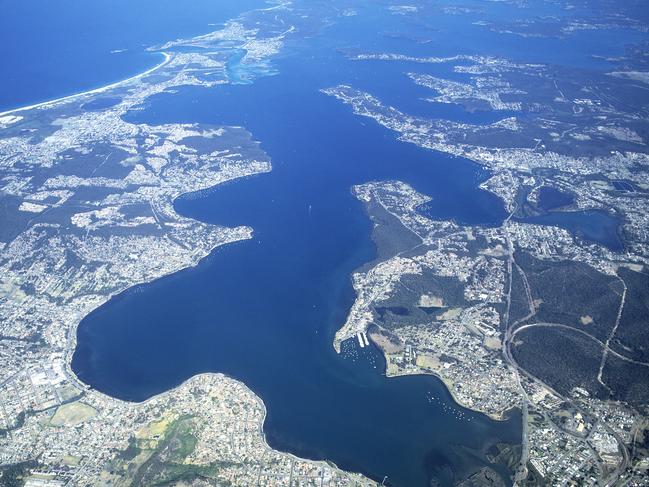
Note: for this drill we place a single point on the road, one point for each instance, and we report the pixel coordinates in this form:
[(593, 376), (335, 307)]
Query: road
[(510, 331)]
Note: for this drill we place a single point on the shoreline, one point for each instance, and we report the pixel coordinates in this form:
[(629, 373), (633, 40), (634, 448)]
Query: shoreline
[(94, 91), (502, 417), (337, 342), (71, 344), (72, 331), (261, 404), (72, 338)]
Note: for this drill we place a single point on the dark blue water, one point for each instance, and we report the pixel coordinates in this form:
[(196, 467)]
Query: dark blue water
[(591, 225), (551, 198), (265, 311)]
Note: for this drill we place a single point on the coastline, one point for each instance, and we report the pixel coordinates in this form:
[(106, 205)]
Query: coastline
[(337, 341), (239, 233), (502, 416), (85, 389), (351, 475), (72, 331), (94, 91), (72, 335), (71, 341)]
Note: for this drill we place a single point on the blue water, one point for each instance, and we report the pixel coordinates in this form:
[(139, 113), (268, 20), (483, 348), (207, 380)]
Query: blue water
[(591, 225), (53, 49), (551, 198), (265, 311)]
